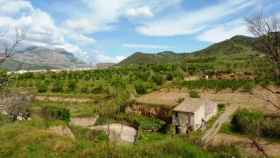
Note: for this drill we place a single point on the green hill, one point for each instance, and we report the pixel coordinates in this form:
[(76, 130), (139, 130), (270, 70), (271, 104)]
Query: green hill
[(238, 46), (159, 58)]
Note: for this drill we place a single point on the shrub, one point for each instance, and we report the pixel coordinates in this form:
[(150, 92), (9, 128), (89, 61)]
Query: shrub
[(146, 123), (57, 87), (271, 128), (42, 87), (248, 87), (221, 107), (56, 113), (169, 77), (71, 86), (255, 123), (247, 122), (218, 85), (141, 87), (194, 94), (84, 89), (3, 78), (158, 79)]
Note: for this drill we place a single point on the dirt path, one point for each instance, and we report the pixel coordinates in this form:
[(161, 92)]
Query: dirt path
[(62, 99), (214, 130)]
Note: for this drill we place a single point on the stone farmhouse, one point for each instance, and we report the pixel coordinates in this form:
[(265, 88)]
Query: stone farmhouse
[(193, 114)]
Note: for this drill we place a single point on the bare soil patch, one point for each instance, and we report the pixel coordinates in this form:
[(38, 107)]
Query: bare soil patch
[(62, 99), (165, 97), (245, 144), (260, 99)]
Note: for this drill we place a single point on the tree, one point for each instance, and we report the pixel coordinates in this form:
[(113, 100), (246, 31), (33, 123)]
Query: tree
[(8, 50), (267, 30)]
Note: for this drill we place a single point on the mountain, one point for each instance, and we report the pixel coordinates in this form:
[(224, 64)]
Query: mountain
[(33, 58), (238, 46), (159, 58), (104, 65)]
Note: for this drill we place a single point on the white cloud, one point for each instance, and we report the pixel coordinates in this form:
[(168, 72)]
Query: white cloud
[(191, 22), (40, 28), (79, 39), (223, 32), (12, 7), (147, 46), (140, 12), (102, 16), (101, 58)]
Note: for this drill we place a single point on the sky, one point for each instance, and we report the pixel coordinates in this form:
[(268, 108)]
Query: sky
[(111, 30)]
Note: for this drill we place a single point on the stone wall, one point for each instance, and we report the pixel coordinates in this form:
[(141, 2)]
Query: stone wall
[(149, 111)]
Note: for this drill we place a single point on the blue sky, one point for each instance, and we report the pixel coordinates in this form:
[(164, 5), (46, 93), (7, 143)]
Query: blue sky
[(110, 30)]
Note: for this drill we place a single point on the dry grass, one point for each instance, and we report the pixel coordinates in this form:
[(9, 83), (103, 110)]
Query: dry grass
[(257, 100), (164, 97), (245, 144)]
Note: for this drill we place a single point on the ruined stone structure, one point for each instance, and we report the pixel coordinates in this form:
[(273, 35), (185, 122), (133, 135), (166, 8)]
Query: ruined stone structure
[(192, 114)]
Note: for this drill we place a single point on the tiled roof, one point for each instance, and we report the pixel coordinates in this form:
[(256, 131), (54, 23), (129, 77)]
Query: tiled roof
[(190, 105)]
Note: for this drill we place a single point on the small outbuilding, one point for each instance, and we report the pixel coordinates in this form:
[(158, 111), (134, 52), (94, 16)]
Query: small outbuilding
[(192, 114)]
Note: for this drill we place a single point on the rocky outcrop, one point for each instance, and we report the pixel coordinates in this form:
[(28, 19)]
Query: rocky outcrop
[(118, 132), (83, 121), (62, 131)]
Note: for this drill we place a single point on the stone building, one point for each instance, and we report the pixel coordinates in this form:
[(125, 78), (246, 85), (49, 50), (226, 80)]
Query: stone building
[(192, 114)]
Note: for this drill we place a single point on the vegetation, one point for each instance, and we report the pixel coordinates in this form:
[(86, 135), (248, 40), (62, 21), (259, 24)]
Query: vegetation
[(268, 32), (218, 85), (3, 78), (142, 122), (194, 94), (107, 92), (55, 113), (256, 124)]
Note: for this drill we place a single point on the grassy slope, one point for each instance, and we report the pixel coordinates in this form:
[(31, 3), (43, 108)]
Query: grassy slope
[(239, 46), (144, 58), (30, 139), (14, 65)]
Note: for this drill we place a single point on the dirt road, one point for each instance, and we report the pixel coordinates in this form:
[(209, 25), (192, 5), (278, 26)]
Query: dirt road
[(213, 131), (62, 99)]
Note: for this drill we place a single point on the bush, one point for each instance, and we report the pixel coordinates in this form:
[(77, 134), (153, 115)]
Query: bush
[(56, 113), (221, 107), (271, 128), (247, 122), (84, 89), (248, 87), (194, 94), (42, 87), (71, 86), (219, 85), (3, 78), (57, 87), (146, 123), (256, 124), (158, 79), (141, 87)]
